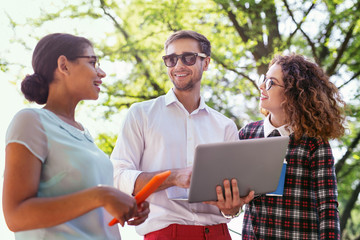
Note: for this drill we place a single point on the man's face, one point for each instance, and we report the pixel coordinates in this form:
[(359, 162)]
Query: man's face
[(184, 77)]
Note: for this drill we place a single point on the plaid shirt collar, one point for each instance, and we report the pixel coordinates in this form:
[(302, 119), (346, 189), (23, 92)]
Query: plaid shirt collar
[(268, 128)]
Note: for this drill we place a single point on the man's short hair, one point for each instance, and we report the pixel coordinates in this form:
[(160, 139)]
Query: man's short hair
[(204, 43)]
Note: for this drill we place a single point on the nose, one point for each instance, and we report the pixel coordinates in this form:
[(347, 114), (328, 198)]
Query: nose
[(101, 73), (179, 63), (262, 86)]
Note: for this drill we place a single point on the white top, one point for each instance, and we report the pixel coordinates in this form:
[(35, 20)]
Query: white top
[(268, 128), (70, 162), (158, 135)]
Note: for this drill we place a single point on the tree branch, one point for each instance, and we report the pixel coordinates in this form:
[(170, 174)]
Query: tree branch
[(341, 162), (330, 71), (216, 59), (298, 25), (349, 206), (240, 30), (312, 45), (348, 81), (127, 38), (324, 50)]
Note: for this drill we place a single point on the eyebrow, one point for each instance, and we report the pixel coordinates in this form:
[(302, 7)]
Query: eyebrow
[(274, 78)]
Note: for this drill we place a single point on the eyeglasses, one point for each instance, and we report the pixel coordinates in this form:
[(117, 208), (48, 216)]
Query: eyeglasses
[(96, 62), (268, 82), (187, 58)]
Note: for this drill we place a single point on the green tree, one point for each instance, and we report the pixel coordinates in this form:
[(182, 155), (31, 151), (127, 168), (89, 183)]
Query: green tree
[(245, 35)]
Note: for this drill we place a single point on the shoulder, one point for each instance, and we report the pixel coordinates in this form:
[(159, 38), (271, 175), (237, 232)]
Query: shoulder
[(27, 115), (252, 130), (219, 116), (314, 143), (148, 104)]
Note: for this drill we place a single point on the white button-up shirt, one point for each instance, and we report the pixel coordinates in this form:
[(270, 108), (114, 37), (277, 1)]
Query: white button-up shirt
[(160, 134), (268, 128)]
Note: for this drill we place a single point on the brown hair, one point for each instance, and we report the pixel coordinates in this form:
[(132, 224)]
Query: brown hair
[(313, 105), (35, 87), (204, 43)]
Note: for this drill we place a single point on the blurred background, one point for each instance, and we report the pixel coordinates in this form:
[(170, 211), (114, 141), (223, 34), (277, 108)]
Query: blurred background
[(128, 35)]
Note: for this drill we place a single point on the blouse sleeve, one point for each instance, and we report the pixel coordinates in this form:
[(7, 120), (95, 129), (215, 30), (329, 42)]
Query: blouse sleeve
[(26, 129), (323, 173)]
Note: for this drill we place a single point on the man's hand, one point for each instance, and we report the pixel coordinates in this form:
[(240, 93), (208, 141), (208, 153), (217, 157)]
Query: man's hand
[(232, 202)]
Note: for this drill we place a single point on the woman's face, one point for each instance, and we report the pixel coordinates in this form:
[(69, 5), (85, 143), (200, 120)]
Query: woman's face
[(272, 98), (85, 76)]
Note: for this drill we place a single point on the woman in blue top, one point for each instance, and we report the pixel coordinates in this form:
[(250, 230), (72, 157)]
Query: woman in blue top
[(57, 182)]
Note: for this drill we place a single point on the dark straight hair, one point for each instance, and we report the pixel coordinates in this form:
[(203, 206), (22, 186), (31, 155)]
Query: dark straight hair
[(35, 87)]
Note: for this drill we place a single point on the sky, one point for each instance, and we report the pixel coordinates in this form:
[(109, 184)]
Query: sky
[(11, 100)]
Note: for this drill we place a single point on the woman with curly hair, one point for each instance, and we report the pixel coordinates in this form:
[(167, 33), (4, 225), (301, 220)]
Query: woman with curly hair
[(298, 101)]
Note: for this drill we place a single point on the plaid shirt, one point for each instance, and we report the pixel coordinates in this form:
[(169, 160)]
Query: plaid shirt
[(308, 207)]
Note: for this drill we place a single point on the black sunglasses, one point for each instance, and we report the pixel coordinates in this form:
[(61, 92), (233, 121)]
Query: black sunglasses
[(187, 58), (268, 82)]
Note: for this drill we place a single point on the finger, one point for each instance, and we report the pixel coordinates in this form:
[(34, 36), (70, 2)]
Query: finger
[(136, 221), (219, 194), (249, 197), (235, 189), (143, 213), (121, 221), (227, 189), (143, 206)]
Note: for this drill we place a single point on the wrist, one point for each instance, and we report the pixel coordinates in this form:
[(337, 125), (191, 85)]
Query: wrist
[(231, 216), (100, 193)]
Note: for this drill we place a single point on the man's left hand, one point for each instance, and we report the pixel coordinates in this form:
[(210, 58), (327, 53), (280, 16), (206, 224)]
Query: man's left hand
[(231, 204)]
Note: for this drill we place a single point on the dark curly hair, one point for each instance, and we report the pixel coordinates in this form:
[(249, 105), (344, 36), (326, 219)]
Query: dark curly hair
[(313, 105)]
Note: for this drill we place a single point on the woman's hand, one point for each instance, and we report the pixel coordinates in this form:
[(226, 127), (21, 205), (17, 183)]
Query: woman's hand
[(120, 205), (141, 214)]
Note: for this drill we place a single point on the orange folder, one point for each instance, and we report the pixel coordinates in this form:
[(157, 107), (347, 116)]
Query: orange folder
[(148, 189)]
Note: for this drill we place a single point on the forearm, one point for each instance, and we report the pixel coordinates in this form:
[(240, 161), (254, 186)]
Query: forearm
[(178, 177), (329, 224), (39, 212)]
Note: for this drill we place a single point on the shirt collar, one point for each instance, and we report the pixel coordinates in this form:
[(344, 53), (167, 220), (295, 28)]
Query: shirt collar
[(170, 98), (268, 128)]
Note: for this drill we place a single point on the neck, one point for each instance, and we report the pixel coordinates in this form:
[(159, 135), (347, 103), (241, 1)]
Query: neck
[(63, 106), (276, 120), (189, 99), (60, 102)]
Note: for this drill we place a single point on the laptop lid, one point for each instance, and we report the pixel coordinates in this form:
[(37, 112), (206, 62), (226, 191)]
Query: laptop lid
[(255, 163)]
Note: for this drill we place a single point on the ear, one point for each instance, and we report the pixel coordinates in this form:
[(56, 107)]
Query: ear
[(63, 63), (206, 63)]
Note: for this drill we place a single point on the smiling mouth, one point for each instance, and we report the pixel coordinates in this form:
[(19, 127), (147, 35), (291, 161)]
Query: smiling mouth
[(180, 74), (97, 83)]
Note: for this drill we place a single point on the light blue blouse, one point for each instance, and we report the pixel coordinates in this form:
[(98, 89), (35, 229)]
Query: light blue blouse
[(70, 162)]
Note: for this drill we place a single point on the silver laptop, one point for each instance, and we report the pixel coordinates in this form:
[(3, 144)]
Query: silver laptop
[(255, 163)]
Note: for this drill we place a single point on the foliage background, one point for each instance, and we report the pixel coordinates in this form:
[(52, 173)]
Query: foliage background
[(245, 35)]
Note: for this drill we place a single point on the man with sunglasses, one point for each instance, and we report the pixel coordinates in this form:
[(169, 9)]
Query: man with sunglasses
[(162, 134)]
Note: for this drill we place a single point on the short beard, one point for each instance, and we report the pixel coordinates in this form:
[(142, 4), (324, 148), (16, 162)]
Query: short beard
[(188, 86)]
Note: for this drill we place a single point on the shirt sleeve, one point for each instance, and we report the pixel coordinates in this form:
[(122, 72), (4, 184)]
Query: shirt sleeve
[(231, 132), (128, 152), (26, 129), (323, 174)]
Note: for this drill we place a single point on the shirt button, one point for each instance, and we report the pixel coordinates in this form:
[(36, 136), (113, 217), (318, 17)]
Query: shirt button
[(207, 230)]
